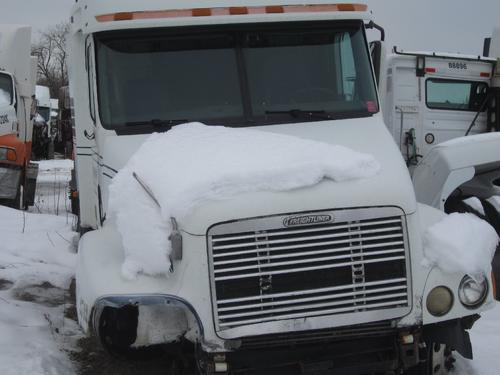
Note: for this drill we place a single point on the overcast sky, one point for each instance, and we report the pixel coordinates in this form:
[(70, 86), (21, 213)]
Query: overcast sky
[(439, 25)]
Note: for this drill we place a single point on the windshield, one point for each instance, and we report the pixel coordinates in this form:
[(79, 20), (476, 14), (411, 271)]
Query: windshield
[(232, 76), (5, 89)]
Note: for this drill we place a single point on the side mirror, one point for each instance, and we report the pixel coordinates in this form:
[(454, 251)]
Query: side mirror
[(376, 48)]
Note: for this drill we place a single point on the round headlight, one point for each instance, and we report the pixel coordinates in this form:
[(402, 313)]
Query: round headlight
[(471, 292), (439, 301)]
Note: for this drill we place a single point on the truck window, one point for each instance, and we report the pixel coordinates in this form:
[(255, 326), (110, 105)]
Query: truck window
[(45, 113), (233, 76), (455, 95), (6, 89)]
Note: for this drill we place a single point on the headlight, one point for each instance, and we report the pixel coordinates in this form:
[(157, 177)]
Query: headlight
[(439, 301), (7, 154), (472, 293)]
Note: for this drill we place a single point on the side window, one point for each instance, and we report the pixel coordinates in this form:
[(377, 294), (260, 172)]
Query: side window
[(455, 95), (90, 76)]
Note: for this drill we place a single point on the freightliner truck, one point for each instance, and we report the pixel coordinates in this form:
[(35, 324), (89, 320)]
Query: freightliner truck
[(296, 67), (17, 103)]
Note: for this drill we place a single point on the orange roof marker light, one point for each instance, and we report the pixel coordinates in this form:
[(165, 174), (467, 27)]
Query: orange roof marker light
[(231, 11)]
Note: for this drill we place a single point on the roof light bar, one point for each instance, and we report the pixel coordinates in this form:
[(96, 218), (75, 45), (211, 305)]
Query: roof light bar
[(230, 11)]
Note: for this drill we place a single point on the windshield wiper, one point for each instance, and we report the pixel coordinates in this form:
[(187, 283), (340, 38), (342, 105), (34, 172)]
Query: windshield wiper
[(301, 113), (157, 123)]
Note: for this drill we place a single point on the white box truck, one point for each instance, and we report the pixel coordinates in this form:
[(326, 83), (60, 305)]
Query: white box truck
[(17, 91), (296, 68)]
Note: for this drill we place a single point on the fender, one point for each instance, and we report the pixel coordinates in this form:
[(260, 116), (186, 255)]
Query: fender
[(450, 164)]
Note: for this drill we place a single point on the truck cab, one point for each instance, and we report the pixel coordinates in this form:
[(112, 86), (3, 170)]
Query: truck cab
[(17, 90), (297, 69)]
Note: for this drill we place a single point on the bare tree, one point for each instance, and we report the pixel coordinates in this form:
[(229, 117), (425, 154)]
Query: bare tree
[(50, 49)]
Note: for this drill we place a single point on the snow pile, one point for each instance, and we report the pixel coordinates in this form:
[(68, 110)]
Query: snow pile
[(461, 243), (193, 163), (37, 261)]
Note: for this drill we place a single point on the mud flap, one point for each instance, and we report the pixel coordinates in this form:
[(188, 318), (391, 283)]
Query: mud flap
[(453, 334), (10, 178)]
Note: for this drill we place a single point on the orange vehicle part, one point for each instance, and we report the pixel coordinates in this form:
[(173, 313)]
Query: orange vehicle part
[(22, 150)]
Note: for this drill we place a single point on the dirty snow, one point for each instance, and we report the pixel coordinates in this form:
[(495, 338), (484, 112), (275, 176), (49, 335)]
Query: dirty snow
[(37, 262), (461, 243), (475, 204), (193, 163)]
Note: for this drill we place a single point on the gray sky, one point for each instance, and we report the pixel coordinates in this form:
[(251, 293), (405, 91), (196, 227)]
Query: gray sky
[(439, 25)]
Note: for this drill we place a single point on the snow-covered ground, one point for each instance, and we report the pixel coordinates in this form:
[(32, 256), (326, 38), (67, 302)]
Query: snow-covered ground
[(485, 336), (37, 260)]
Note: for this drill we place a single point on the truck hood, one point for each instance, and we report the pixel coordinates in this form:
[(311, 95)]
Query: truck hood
[(392, 186)]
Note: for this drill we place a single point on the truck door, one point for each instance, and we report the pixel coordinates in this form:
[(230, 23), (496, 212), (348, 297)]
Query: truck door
[(404, 87), (454, 92)]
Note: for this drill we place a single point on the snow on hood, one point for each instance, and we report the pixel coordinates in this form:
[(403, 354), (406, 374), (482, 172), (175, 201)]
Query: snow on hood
[(194, 163), (461, 243)]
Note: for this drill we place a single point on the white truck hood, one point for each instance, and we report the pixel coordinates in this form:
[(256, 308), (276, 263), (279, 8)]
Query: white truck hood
[(391, 187)]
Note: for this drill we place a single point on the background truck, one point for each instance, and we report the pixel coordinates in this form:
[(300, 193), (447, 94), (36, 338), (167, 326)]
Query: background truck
[(17, 103), (432, 98), (142, 68)]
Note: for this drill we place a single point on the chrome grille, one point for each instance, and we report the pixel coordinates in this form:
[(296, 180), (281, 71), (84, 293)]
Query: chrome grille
[(263, 271)]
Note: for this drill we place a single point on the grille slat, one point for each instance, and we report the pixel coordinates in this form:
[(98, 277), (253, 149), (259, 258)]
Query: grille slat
[(302, 253), (310, 299), (311, 268), (308, 292), (315, 313), (300, 261), (230, 237), (312, 238), (314, 305), (262, 271)]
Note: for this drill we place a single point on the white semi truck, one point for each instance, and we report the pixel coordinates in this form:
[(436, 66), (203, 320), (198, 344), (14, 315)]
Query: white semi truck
[(290, 68), (17, 103)]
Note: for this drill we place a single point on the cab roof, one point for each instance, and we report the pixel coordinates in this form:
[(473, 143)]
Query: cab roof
[(91, 16)]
